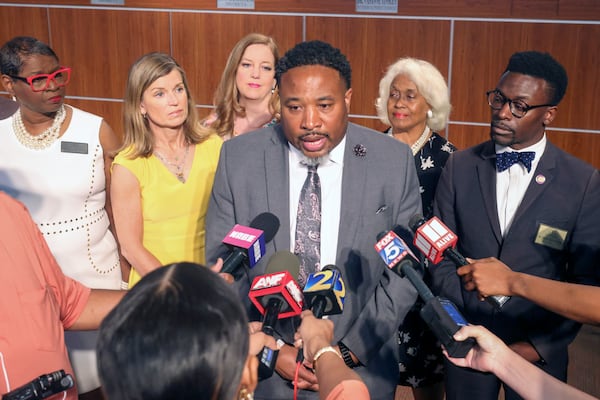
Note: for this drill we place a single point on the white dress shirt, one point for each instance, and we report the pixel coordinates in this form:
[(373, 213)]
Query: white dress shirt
[(512, 183), (330, 175)]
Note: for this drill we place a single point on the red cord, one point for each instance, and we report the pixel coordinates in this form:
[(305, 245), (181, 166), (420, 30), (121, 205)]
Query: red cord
[(296, 380)]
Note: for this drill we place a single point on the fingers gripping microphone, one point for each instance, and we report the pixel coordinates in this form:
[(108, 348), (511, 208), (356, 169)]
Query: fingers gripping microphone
[(276, 295), (441, 315), (436, 241), (248, 243), (324, 294)]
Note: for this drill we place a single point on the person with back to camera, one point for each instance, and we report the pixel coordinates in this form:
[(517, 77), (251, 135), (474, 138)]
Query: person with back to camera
[(56, 159), (414, 100), (38, 302), (210, 355), (247, 98), (334, 186), (163, 175), (533, 206)]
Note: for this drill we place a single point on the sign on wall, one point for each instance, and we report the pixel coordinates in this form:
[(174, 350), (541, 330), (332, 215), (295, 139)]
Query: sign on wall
[(378, 6)]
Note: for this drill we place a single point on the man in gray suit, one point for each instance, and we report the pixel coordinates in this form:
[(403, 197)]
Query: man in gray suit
[(524, 201), (368, 185)]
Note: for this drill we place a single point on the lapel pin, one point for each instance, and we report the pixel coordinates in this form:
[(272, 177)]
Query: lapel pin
[(540, 179), (360, 150)]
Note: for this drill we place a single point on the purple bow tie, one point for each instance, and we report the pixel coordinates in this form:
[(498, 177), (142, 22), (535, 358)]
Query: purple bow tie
[(508, 158)]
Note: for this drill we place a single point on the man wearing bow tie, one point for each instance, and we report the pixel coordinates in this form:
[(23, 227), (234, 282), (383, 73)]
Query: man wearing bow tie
[(524, 201), (334, 187)]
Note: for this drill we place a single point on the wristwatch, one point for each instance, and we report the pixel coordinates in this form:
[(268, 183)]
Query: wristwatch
[(346, 355)]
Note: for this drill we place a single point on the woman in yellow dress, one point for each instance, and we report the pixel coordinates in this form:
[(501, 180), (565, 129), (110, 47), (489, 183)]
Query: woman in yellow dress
[(163, 176)]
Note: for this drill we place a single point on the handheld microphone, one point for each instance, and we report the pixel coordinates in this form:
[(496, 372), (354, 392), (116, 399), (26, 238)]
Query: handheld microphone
[(436, 241), (325, 292), (441, 315), (276, 295), (248, 243), (42, 387)]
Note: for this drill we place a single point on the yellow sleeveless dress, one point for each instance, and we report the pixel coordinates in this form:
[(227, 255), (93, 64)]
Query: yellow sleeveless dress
[(174, 213)]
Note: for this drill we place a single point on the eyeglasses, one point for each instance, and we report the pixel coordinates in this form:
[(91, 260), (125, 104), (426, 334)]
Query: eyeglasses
[(518, 108), (40, 82)]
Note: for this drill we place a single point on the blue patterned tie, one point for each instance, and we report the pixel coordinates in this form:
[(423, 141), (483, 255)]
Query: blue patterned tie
[(308, 226), (508, 158)]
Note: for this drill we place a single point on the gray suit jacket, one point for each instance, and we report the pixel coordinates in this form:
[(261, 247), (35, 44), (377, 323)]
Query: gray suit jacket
[(379, 190), (564, 195)]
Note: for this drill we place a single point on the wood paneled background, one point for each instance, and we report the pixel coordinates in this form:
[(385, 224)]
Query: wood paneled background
[(468, 40)]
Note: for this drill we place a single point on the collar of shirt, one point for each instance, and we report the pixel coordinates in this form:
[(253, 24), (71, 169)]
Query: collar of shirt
[(538, 148), (330, 174)]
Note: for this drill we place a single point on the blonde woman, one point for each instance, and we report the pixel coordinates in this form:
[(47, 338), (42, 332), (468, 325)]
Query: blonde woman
[(163, 176), (246, 98)]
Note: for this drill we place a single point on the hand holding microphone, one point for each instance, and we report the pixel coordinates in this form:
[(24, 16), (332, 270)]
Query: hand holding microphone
[(441, 315), (436, 241)]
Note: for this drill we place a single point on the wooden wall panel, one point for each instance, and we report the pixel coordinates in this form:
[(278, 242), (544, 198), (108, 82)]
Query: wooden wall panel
[(535, 9), (202, 46), (36, 26), (464, 136), (111, 111), (482, 50), (102, 44), (385, 40)]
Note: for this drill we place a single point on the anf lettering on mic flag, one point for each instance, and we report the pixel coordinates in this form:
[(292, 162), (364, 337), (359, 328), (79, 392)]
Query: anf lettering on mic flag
[(278, 284)]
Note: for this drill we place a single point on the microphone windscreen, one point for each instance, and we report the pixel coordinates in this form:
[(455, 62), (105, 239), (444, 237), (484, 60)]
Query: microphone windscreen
[(283, 260), (268, 223), (416, 221)]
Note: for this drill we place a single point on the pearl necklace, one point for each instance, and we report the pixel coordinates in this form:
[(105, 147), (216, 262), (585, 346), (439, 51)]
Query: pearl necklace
[(178, 166), (44, 139), (416, 146)]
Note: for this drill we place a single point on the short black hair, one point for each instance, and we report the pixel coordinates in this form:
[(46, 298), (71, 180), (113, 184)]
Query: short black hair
[(315, 52), (180, 333), (15, 50), (544, 66)]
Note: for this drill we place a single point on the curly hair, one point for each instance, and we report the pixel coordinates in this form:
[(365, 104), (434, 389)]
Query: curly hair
[(315, 52), (430, 83), (544, 66)]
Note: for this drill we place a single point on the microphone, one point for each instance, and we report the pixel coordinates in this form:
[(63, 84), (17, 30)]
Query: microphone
[(276, 295), (325, 292), (42, 387), (248, 243), (441, 315), (436, 241)]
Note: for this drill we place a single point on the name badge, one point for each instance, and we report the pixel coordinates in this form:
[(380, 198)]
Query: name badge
[(73, 147), (550, 236)]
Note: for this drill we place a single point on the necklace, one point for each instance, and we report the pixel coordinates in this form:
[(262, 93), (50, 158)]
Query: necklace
[(178, 172), (416, 146), (44, 139)]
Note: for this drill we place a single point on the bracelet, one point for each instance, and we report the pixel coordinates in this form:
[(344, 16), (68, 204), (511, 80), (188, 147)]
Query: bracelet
[(346, 355), (280, 344), (326, 349), (124, 285)]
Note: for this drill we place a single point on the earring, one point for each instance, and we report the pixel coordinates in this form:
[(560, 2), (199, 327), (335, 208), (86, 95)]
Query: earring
[(244, 394), (144, 115), (429, 114), (273, 90)]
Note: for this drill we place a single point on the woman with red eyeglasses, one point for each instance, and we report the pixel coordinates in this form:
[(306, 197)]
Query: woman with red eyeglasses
[(55, 159)]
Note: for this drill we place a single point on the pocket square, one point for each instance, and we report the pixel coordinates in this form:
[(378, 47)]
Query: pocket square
[(381, 209)]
